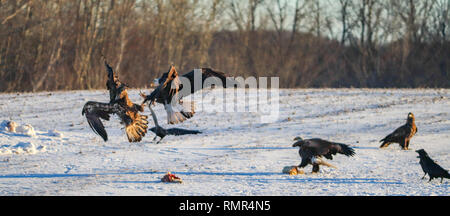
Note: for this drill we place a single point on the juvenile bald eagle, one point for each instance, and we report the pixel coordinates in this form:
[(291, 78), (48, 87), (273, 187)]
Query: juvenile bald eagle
[(312, 150), (170, 85), (430, 167), (161, 132), (120, 105), (401, 135)]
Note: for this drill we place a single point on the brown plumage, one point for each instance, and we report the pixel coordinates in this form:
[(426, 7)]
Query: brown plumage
[(121, 105), (401, 135)]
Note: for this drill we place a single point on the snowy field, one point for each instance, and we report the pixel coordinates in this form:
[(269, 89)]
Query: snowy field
[(235, 155)]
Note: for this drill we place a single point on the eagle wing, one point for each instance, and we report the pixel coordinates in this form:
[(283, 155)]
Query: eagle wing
[(171, 83), (135, 125), (306, 154), (320, 147), (95, 111), (165, 87), (399, 133), (112, 84), (205, 74)]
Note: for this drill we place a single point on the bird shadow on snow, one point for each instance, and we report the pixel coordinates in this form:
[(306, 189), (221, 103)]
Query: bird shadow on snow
[(235, 148), (13, 134), (287, 179), (365, 147), (81, 175), (342, 181)]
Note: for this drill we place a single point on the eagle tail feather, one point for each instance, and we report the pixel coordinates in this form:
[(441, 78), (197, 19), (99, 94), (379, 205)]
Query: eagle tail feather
[(346, 150)]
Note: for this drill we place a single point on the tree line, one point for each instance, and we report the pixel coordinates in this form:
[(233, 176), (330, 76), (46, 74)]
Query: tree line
[(58, 44)]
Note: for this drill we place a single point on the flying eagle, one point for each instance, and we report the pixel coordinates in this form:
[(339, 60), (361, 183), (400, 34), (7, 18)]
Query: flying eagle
[(312, 150), (169, 90), (430, 167), (401, 135), (119, 104), (161, 132)]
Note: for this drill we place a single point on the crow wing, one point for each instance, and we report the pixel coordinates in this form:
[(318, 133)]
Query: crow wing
[(434, 169), (180, 131)]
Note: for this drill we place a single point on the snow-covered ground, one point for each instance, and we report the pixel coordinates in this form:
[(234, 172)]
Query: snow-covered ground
[(235, 155)]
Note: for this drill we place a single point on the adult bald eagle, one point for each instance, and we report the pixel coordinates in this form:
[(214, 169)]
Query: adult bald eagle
[(401, 135), (170, 88), (312, 150), (120, 105), (162, 132), (430, 167)]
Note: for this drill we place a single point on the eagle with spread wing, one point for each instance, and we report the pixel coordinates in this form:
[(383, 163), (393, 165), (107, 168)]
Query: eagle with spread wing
[(401, 135), (169, 90), (312, 150), (120, 105)]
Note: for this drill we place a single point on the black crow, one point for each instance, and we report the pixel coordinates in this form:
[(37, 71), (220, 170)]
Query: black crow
[(161, 132), (430, 167)]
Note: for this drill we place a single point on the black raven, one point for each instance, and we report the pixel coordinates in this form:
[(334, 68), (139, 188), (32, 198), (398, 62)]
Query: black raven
[(161, 132), (119, 104), (401, 135), (430, 167), (311, 151)]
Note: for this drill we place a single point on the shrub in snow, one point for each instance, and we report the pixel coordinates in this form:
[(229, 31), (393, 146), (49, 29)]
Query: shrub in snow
[(22, 148), (26, 130), (13, 127), (9, 126)]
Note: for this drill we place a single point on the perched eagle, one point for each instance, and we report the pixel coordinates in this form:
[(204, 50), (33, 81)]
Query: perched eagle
[(119, 104), (312, 150), (430, 167), (401, 135), (170, 85), (161, 132)]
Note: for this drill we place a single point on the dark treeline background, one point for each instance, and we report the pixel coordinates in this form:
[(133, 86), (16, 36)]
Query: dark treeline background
[(57, 44)]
